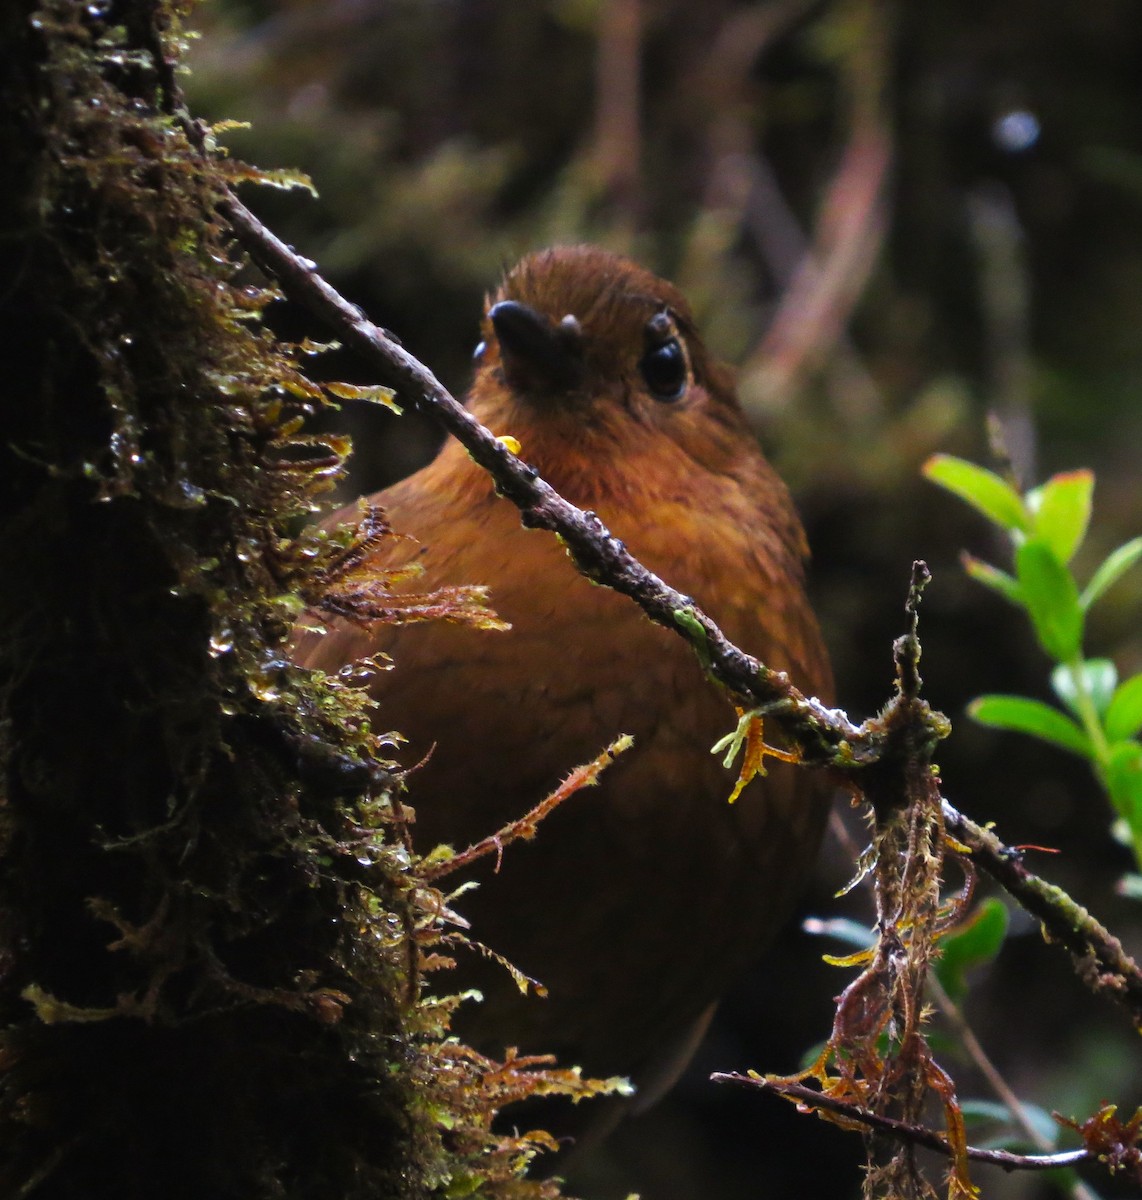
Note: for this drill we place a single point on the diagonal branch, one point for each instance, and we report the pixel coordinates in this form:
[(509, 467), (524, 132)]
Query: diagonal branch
[(823, 736)]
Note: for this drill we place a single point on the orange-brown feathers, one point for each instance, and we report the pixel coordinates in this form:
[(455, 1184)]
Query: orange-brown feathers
[(641, 898)]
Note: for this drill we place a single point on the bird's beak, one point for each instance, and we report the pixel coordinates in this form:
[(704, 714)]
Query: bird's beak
[(537, 355)]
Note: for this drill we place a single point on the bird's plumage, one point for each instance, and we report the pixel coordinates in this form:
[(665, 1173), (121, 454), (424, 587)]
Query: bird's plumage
[(640, 898)]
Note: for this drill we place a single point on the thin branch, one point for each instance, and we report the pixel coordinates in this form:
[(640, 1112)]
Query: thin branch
[(917, 1135), (1101, 962), (774, 229), (525, 827), (906, 649), (823, 736)]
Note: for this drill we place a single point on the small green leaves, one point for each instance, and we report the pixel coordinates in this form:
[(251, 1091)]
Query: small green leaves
[(982, 489), (1124, 712), (992, 577), (1046, 528), (1123, 774), (1113, 567), (1095, 679), (1058, 512), (1051, 598), (1031, 716), (980, 1113), (1061, 511), (974, 943)]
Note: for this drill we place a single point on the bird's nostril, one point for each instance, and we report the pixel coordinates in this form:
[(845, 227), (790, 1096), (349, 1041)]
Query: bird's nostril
[(536, 353)]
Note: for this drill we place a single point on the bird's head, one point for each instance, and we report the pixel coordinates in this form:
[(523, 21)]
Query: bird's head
[(583, 348)]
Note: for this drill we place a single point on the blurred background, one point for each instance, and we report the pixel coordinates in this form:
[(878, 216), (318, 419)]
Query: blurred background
[(896, 219)]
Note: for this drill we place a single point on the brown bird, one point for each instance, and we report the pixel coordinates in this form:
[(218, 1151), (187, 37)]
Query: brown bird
[(640, 899)]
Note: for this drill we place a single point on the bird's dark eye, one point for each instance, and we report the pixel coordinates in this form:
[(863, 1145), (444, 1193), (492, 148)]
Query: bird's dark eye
[(664, 370)]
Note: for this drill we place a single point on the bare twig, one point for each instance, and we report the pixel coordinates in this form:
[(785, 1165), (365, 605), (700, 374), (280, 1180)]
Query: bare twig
[(775, 230), (722, 78), (525, 827), (742, 189), (918, 1135)]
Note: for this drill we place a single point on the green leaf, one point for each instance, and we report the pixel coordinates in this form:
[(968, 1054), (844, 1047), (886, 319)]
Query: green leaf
[(1051, 598), (1099, 678), (1031, 716), (1124, 713), (812, 1055), (851, 933), (976, 1112), (979, 1112), (972, 944), (1113, 567), (992, 577), (1130, 886), (1060, 511), (982, 489), (1123, 775)]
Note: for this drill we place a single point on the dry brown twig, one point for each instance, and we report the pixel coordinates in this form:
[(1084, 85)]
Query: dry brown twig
[(525, 827)]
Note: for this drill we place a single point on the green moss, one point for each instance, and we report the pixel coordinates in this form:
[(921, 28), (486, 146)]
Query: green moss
[(208, 949)]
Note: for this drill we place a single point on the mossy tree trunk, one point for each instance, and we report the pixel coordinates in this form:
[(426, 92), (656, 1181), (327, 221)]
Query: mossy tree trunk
[(202, 951)]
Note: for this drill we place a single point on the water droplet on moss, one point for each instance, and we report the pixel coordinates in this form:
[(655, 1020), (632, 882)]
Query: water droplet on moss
[(357, 674), (190, 495), (222, 642)]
